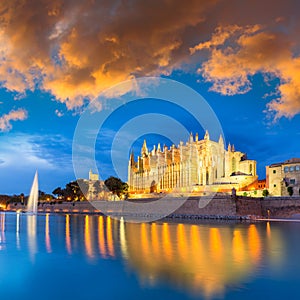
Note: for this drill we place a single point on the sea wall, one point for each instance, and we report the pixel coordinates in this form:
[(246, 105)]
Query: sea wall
[(280, 207), (221, 206), (64, 207), (204, 207)]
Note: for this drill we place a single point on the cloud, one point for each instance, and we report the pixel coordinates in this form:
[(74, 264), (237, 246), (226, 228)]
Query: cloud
[(13, 115), (239, 52), (76, 49), (43, 152), (59, 113), (49, 154)]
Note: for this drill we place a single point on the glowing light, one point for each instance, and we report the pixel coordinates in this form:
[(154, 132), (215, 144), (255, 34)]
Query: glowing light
[(182, 242), (167, 243), (47, 235), (268, 230), (254, 243), (238, 247), (88, 238), (31, 235), (216, 246), (68, 235), (101, 237), (109, 236), (123, 242)]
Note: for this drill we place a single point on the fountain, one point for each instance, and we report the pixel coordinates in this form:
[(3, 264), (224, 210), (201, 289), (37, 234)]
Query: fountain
[(34, 196)]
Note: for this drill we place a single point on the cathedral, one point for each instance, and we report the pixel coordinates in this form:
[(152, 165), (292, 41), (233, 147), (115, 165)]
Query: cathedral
[(195, 166)]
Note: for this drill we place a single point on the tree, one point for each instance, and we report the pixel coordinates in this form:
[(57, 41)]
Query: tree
[(265, 193), (74, 190), (290, 190), (117, 186), (58, 192)]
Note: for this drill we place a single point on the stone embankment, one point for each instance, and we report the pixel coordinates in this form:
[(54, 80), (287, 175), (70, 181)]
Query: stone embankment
[(219, 207)]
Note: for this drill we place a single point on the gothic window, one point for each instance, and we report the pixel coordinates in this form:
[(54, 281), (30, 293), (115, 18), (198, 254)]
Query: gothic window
[(250, 169)]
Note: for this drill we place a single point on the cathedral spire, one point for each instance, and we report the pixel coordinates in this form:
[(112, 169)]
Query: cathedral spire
[(229, 148), (158, 148), (144, 149), (132, 162), (191, 140), (221, 140), (206, 136)]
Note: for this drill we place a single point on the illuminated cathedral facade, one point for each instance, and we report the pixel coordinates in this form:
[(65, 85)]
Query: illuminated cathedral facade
[(197, 165)]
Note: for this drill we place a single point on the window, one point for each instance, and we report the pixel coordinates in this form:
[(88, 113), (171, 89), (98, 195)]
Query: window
[(274, 185), (297, 168), (286, 169), (274, 171), (292, 169), (292, 181)]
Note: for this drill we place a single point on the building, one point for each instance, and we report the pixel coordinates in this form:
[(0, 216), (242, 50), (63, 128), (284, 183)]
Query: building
[(197, 165), (97, 190), (281, 176)]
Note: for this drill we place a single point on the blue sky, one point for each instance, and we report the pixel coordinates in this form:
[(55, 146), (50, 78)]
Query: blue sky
[(246, 67)]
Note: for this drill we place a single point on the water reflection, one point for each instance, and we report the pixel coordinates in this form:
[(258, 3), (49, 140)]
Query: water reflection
[(18, 231), (68, 235), (31, 236), (2, 229), (47, 235), (202, 259)]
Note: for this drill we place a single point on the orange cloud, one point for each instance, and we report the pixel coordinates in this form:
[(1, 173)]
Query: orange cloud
[(76, 49), (13, 115), (252, 50)]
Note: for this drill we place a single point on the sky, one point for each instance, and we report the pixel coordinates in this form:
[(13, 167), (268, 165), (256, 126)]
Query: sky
[(56, 56)]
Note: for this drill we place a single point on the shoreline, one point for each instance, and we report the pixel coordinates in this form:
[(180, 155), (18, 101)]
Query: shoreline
[(219, 208)]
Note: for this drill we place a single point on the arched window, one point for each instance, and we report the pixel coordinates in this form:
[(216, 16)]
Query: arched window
[(250, 169)]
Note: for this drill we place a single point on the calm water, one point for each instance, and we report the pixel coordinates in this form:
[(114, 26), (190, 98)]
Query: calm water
[(78, 257)]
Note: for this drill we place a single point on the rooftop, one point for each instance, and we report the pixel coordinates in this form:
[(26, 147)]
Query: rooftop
[(289, 161)]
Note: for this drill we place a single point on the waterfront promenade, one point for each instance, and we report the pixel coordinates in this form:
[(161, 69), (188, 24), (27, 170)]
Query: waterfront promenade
[(220, 207)]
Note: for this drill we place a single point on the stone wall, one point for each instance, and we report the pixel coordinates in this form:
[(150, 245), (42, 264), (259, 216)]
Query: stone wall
[(65, 207), (280, 207), (220, 206), (246, 206), (201, 206)]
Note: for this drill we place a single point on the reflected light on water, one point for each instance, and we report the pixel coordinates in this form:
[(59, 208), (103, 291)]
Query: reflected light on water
[(109, 236), (123, 242), (31, 236), (200, 259), (18, 230), (88, 237), (68, 235), (47, 235), (254, 243), (2, 234), (101, 237)]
